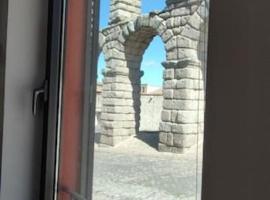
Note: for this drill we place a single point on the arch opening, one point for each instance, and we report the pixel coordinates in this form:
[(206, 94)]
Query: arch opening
[(147, 96)]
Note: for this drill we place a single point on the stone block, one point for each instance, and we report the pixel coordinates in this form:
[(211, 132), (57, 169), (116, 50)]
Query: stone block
[(163, 137), (118, 109), (155, 22), (183, 104), (142, 21), (191, 33), (117, 94), (164, 148), (170, 139), (118, 131), (171, 44), (168, 93), (121, 87), (162, 28), (178, 150), (167, 35), (117, 79), (186, 140), (169, 84), (177, 21), (186, 128), (118, 124), (165, 127), (195, 21), (117, 102), (166, 115), (174, 115), (181, 11), (203, 12), (101, 40), (184, 42), (131, 27), (106, 140), (190, 84), (188, 94), (117, 117), (172, 55), (165, 15), (189, 117), (170, 22), (189, 72), (191, 54), (168, 74)]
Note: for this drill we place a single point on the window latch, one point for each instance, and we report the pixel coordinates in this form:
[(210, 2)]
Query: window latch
[(39, 94)]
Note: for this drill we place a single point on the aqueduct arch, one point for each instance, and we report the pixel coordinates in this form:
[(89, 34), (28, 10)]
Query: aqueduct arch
[(123, 43)]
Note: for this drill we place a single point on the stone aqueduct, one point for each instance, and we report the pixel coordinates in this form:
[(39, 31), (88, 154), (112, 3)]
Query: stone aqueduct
[(182, 28)]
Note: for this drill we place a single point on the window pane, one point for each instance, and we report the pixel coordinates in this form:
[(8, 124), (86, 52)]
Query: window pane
[(149, 114), (150, 99)]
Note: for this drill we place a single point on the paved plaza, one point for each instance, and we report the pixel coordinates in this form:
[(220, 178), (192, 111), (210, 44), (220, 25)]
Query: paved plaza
[(135, 170)]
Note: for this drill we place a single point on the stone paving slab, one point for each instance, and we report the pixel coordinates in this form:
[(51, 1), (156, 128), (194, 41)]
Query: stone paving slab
[(135, 170)]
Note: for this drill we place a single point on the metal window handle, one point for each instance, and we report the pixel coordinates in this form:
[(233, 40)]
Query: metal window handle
[(37, 94)]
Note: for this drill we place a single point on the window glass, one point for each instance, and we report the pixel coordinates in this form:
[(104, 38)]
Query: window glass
[(147, 127), (150, 137)]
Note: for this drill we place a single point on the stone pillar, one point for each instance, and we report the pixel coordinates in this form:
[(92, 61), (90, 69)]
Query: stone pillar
[(124, 10), (117, 114), (183, 106), (120, 97)]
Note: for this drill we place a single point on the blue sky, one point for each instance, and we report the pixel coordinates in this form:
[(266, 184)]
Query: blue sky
[(155, 53)]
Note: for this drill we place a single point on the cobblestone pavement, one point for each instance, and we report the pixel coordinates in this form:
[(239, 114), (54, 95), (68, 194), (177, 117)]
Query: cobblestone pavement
[(135, 170)]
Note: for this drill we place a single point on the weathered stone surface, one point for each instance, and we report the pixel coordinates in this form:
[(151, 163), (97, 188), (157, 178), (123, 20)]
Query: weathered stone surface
[(185, 128), (164, 148), (181, 11), (168, 74), (170, 84), (188, 94), (118, 124), (168, 93), (195, 21), (189, 72), (117, 117), (174, 115), (183, 42), (117, 102), (168, 34), (190, 84), (171, 44), (163, 137), (166, 115), (170, 137), (184, 140), (117, 94), (165, 127), (185, 53), (191, 33), (119, 131), (183, 104), (189, 117)]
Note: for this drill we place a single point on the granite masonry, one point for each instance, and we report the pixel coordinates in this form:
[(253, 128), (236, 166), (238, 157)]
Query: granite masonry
[(182, 26)]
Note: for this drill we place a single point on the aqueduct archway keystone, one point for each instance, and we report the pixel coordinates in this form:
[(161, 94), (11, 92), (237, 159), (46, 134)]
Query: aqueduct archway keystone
[(123, 43)]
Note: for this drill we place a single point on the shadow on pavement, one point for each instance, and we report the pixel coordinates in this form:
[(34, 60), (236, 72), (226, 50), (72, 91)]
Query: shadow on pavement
[(150, 138)]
